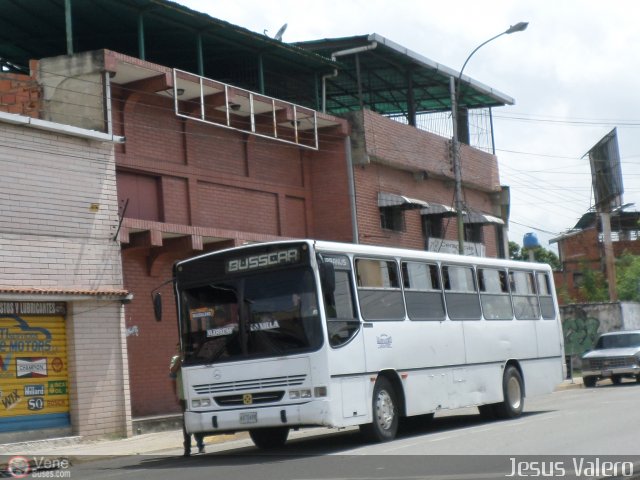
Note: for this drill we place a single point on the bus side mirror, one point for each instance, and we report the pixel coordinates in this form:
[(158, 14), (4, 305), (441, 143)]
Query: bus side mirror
[(157, 306), (328, 277)]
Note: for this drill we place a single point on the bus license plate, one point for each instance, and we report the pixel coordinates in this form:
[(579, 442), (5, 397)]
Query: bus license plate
[(606, 373), (248, 417)]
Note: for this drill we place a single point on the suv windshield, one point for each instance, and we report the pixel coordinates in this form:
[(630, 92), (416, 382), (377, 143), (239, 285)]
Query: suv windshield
[(623, 340), (263, 314)]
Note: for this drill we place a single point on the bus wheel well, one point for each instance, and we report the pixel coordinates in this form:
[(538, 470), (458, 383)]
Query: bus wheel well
[(517, 366), (394, 378)]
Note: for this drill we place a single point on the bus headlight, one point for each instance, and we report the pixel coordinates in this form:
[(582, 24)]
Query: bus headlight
[(308, 393), (201, 402), (296, 394)]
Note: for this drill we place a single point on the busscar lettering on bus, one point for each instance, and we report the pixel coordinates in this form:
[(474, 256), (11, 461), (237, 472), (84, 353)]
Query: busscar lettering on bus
[(400, 333), (265, 260)]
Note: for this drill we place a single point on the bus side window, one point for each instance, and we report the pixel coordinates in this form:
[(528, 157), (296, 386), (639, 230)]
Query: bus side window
[(494, 294), (422, 291), (461, 293), (523, 292), (379, 290), (547, 306)]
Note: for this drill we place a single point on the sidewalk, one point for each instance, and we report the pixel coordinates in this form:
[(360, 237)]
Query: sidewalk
[(168, 443), (165, 443)]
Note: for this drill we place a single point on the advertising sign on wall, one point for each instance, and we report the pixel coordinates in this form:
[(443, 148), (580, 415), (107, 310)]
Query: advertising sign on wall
[(33, 366)]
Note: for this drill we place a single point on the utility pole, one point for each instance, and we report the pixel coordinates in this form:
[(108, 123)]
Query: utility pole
[(454, 88)]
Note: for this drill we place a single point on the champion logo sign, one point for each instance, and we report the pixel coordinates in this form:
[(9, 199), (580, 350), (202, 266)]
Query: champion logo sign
[(31, 367)]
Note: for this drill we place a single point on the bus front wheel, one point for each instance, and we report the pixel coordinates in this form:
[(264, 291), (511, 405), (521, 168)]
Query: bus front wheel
[(513, 392), (268, 438), (384, 426)]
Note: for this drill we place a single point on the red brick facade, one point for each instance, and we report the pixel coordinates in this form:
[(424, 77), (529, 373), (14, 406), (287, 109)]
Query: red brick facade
[(20, 94), (387, 155), (582, 251), (222, 186)]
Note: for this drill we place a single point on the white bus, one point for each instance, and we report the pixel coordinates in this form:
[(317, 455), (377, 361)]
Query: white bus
[(305, 333)]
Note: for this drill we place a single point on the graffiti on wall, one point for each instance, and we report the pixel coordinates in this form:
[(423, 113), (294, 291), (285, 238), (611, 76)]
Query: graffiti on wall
[(580, 332)]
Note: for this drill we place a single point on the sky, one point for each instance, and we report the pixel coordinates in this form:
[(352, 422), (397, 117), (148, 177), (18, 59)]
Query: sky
[(572, 74)]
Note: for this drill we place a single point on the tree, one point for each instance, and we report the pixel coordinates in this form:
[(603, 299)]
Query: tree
[(594, 285), (628, 277), (540, 255)]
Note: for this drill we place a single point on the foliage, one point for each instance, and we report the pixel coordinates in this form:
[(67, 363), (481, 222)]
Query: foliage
[(628, 277), (540, 255), (594, 286)]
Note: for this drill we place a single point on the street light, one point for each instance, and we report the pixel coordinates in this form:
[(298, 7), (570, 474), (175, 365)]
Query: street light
[(454, 84)]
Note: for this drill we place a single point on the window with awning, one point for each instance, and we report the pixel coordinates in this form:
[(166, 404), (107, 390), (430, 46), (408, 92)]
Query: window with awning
[(467, 216), (386, 200)]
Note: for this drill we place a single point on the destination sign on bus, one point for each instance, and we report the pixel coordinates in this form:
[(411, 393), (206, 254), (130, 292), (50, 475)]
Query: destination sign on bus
[(263, 260)]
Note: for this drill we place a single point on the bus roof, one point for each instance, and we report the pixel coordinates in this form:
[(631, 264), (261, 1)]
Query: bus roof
[(408, 253), (363, 249)]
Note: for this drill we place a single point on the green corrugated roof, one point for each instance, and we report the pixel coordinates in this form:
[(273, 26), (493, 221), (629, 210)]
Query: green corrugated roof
[(387, 70), (36, 29)]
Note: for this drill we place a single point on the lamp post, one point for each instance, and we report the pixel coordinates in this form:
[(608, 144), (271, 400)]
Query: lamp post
[(454, 84)]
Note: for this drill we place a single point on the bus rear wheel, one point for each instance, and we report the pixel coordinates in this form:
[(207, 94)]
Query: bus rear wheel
[(384, 426), (268, 438), (513, 392)]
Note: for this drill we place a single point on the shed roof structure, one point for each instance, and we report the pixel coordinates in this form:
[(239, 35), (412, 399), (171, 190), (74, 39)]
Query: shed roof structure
[(387, 78), (391, 79)]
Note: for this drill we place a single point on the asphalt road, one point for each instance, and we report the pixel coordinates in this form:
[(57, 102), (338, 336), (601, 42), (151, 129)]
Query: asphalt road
[(569, 430)]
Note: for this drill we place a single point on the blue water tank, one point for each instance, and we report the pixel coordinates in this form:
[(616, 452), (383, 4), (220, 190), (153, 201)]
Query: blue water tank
[(530, 240)]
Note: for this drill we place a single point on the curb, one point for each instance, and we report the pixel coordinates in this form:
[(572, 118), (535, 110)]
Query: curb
[(570, 384)]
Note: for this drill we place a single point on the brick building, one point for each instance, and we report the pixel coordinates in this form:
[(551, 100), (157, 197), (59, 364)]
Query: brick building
[(208, 165), (582, 248)]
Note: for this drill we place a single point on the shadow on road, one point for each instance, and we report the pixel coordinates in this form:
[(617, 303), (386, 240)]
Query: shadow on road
[(339, 445)]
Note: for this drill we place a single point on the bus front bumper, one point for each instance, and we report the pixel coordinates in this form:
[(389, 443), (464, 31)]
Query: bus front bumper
[(314, 412)]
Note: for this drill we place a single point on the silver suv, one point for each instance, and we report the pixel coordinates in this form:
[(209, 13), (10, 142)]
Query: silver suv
[(616, 355)]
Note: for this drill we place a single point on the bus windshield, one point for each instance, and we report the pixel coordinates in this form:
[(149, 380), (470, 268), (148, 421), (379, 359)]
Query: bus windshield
[(266, 313)]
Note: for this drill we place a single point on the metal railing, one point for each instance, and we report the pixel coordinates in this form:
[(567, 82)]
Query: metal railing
[(217, 103)]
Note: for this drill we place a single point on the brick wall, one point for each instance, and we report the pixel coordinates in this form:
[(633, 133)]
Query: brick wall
[(150, 343), (328, 180), (20, 94), (98, 376), (583, 250), (222, 180), (50, 232), (59, 214), (387, 154), (214, 177), (401, 146)]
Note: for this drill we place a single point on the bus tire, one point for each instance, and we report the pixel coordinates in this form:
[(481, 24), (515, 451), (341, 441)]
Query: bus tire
[(589, 382), (513, 392), (384, 426), (269, 438)]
